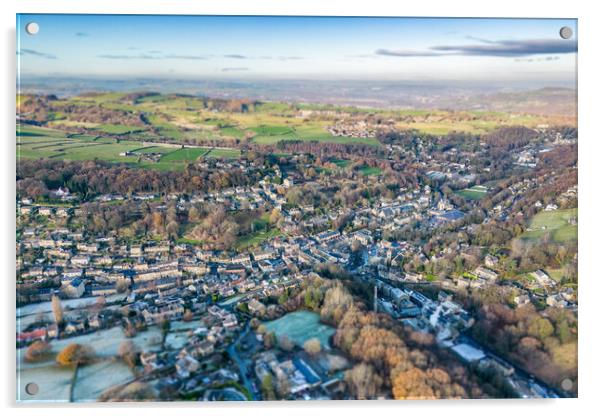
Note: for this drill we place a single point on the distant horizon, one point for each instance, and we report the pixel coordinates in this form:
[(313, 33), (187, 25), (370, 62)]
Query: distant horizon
[(527, 84), (377, 94)]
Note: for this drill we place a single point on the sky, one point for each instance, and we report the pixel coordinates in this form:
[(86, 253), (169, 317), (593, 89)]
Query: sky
[(228, 47)]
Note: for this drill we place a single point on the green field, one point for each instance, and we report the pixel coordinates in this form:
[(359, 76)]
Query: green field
[(264, 130), (155, 149), (24, 130), (184, 155), (554, 224), (370, 171), (474, 193), (262, 233), (34, 142), (300, 326), (255, 239), (191, 241), (117, 129), (232, 132), (341, 163), (37, 142), (224, 153)]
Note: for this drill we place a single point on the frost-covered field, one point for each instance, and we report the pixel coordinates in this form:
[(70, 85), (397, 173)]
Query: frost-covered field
[(93, 379), (45, 307), (300, 326), (54, 381)]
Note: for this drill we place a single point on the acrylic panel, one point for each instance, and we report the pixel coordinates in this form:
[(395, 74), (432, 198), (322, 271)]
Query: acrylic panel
[(295, 208)]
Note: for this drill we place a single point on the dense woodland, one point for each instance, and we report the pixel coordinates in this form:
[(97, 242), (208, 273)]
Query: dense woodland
[(90, 178)]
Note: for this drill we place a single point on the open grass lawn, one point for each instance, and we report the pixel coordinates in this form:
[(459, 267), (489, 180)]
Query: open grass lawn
[(223, 153), (83, 137), (300, 326), (191, 241), (341, 163), (568, 233), (41, 140), (474, 193), (155, 149), (370, 171), (103, 151), (553, 223), (26, 130), (232, 132), (171, 133), (274, 139), (164, 127), (255, 239), (117, 129), (72, 123), (187, 154), (476, 122), (275, 130), (100, 98), (556, 274)]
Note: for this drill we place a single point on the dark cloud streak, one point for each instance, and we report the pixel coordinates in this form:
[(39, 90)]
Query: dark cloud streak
[(405, 53), (187, 57), (155, 54), (501, 48), (39, 54), (513, 48), (119, 57), (231, 69), (152, 56)]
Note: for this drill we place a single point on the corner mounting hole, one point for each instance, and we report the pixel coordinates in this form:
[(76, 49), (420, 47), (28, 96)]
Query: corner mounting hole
[(566, 32), (32, 28), (32, 389)]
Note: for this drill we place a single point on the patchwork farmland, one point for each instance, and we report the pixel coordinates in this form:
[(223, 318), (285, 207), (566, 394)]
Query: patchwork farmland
[(37, 142)]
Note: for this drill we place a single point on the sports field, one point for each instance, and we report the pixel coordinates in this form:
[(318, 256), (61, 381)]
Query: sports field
[(474, 193)]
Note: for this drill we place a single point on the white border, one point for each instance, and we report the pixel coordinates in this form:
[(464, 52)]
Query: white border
[(590, 127)]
